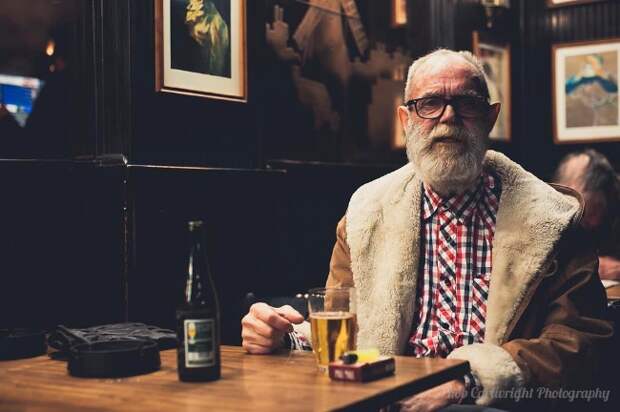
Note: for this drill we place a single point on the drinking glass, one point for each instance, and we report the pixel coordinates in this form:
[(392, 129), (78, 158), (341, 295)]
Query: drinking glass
[(333, 321)]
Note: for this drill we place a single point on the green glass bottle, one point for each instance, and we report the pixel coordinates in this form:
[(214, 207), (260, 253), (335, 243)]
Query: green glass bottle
[(198, 316)]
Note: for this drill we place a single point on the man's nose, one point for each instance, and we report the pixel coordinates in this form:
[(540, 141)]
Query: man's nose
[(448, 115)]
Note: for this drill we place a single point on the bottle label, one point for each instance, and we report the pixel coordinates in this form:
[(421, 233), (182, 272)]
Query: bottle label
[(199, 342)]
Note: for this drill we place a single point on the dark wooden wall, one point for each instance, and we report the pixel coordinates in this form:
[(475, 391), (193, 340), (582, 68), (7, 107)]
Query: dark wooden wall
[(148, 127), (184, 130), (539, 28), (245, 238), (61, 243)]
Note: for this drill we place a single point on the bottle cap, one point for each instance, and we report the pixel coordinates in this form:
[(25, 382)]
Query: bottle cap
[(349, 358)]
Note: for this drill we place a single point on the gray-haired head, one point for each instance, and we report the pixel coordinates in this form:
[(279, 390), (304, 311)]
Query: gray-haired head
[(593, 174), (418, 65)]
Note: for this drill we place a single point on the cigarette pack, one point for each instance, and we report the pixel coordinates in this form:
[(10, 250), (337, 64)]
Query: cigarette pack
[(362, 372)]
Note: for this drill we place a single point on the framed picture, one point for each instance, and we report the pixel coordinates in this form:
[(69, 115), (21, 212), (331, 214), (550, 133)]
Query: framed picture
[(495, 59), (560, 3), (200, 48), (399, 13), (585, 91)]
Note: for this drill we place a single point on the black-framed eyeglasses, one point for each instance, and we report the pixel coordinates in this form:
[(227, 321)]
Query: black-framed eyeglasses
[(465, 106)]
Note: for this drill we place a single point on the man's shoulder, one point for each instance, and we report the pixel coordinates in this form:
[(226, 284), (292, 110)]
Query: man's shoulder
[(529, 196), (376, 191)]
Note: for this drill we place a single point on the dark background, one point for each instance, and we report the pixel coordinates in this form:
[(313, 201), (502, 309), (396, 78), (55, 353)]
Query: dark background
[(99, 235)]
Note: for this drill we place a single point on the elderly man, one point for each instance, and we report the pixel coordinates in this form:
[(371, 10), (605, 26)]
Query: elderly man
[(462, 253)]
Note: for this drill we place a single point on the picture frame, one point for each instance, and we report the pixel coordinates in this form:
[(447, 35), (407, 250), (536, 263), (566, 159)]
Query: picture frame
[(399, 13), (585, 91), (562, 3), (495, 58), (187, 59)]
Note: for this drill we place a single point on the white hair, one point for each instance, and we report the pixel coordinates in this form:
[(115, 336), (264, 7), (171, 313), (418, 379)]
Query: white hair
[(476, 65)]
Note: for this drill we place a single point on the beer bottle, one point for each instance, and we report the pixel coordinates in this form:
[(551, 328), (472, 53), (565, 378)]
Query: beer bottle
[(198, 317)]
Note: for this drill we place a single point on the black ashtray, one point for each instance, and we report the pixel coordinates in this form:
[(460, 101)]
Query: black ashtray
[(113, 359), (21, 343)]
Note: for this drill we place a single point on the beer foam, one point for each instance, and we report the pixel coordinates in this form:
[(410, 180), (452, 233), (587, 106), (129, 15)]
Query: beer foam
[(332, 315)]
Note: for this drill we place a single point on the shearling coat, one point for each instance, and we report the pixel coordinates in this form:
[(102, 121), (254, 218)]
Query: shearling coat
[(546, 302)]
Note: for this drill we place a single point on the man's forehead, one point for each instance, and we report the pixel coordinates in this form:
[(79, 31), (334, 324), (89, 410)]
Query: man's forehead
[(445, 75)]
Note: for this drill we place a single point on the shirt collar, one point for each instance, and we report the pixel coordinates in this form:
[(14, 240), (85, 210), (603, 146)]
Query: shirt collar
[(464, 205)]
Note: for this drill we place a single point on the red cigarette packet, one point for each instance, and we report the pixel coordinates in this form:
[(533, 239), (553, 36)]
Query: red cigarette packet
[(362, 372)]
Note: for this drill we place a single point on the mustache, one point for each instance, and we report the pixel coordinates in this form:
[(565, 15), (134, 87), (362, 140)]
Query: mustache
[(444, 134)]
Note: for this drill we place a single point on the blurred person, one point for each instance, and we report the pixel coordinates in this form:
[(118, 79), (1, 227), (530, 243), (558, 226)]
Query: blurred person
[(462, 254), (590, 173)]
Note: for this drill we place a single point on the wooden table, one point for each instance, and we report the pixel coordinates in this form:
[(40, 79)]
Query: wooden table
[(285, 381), (613, 293)]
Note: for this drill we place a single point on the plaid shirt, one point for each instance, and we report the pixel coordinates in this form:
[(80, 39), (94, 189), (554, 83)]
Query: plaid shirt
[(457, 240)]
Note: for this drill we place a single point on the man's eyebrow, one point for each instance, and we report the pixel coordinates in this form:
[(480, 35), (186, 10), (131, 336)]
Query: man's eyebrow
[(468, 92)]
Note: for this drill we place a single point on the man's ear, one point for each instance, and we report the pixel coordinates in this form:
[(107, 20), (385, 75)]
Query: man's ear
[(403, 116), (492, 116)]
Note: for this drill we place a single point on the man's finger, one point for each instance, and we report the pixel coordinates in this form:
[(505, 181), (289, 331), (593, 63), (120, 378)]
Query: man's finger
[(254, 338), (267, 314), (252, 323), (266, 331), (256, 349), (290, 314)]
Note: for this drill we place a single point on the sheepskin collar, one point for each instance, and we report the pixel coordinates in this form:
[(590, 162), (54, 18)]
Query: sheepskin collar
[(383, 223)]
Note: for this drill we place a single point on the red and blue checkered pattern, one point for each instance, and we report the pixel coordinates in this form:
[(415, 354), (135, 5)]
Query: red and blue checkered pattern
[(456, 267)]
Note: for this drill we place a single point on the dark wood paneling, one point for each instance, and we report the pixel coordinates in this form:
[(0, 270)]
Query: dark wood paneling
[(540, 28), (104, 59), (175, 129), (315, 196), (61, 243), (241, 209)]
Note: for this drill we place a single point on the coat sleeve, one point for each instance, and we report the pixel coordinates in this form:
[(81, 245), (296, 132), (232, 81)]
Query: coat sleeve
[(340, 273), (573, 330), (559, 339)]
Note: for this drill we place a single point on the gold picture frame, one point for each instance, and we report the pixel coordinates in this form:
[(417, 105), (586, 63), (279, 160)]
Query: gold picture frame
[(201, 48), (562, 3), (585, 91)]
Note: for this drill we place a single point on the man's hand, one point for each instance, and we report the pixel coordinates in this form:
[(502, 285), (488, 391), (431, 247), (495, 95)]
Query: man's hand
[(436, 398), (609, 268), (264, 327)]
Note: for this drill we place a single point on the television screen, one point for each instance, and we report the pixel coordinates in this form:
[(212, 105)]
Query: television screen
[(17, 94)]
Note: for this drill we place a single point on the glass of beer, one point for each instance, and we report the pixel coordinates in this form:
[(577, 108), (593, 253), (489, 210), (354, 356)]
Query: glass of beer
[(333, 321)]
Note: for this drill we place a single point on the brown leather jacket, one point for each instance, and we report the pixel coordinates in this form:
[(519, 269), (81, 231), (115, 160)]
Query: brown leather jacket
[(545, 312)]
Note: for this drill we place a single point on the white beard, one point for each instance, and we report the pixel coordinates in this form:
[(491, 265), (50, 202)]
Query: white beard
[(448, 169)]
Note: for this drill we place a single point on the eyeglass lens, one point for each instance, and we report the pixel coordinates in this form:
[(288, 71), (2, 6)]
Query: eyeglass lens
[(465, 106)]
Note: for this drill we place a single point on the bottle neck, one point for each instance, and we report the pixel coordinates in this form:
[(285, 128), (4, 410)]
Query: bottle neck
[(196, 269)]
